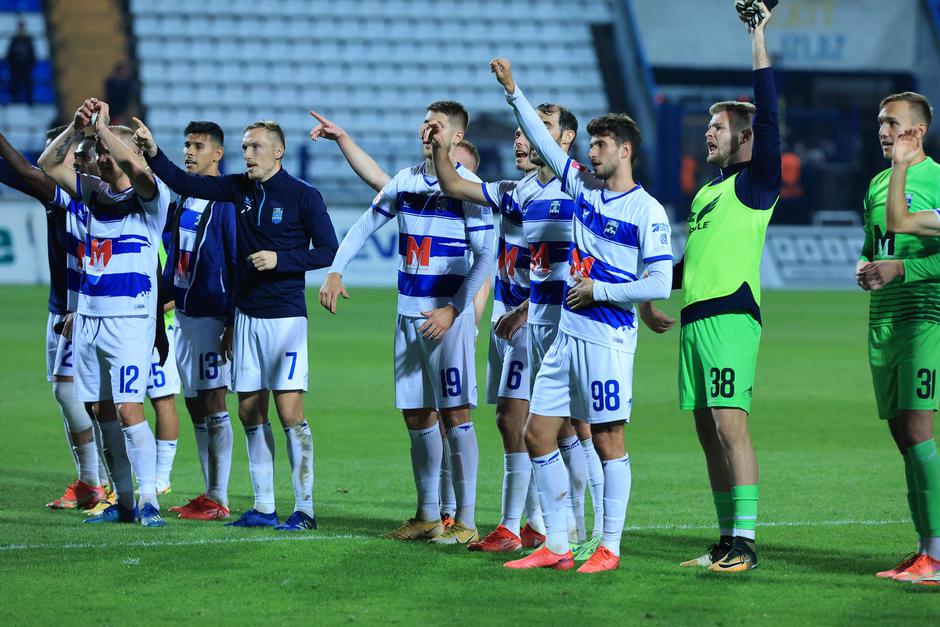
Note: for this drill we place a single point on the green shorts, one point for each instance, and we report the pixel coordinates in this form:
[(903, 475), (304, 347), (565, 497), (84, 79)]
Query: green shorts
[(717, 361), (904, 360)]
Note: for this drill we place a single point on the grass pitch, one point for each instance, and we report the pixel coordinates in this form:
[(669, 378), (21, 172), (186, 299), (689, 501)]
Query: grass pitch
[(832, 509)]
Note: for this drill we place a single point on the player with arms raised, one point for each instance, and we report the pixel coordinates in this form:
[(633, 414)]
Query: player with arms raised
[(902, 241), (434, 340), (116, 314), (721, 324), (588, 371), (278, 218)]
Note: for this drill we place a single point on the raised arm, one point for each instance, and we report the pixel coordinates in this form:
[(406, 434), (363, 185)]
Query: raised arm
[(765, 156), (217, 188), (20, 174), (52, 161), (908, 147), (127, 159), (358, 159), (450, 181)]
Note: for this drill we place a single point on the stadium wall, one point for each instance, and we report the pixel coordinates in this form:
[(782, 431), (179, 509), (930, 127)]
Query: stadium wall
[(795, 257)]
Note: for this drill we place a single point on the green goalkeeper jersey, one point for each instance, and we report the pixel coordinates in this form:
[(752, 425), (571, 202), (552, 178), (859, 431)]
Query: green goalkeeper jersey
[(903, 301), (169, 317)]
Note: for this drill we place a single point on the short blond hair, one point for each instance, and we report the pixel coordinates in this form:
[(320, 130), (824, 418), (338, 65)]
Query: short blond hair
[(918, 104), (270, 126), (740, 113)]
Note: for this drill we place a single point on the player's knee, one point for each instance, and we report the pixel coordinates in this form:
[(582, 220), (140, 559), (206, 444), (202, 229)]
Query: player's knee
[(214, 401), (130, 413)]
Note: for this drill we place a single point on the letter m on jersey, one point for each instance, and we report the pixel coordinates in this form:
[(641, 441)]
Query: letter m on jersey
[(581, 266), (507, 259), (418, 252), (100, 253), (539, 257), (884, 242)]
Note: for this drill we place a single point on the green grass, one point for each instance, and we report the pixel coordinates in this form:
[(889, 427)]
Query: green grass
[(832, 501)]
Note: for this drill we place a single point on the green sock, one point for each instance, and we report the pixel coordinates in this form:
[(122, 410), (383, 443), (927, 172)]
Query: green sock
[(724, 506), (745, 510), (913, 501), (926, 462)]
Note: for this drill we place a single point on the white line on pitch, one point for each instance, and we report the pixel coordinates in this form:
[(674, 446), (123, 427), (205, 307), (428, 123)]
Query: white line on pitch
[(329, 538)]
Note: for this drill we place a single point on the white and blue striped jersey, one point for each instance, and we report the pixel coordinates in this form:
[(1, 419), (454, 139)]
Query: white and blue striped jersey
[(613, 236), (121, 243), (434, 233), (546, 220), (191, 213), (511, 281), (76, 227)]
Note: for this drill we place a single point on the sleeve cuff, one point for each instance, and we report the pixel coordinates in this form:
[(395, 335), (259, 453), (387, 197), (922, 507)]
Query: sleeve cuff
[(599, 291)]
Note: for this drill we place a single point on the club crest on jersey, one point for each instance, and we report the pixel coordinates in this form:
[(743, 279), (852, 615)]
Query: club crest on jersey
[(610, 229), (555, 208), (909, 197), (441, 204), (277, 214)]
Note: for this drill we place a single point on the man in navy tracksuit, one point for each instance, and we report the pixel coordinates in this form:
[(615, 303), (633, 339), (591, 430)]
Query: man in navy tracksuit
[(200, 274), (277, 218)]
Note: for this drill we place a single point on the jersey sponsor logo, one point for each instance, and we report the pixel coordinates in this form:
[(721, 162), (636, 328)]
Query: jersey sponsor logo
[(507, 259), (660, 226), (697, 221), (581, 266), (100, 253), (182, 265), (80, 255), (420, 253), (277, 214), (884, 242), (538, 258)]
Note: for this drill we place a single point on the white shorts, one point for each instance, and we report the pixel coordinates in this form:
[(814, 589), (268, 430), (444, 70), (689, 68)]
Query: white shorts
[(164, 380), (59, 362), (269, 354), (112, 357), (435, 374), (197, 354), (507, 367), (540, 339), (586, 381)]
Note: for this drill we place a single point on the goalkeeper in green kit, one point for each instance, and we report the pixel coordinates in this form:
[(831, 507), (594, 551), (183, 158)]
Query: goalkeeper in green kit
[(721, 323), (900, 263)]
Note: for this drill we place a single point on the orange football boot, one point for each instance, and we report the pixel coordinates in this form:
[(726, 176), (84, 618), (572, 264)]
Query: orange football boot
[(601, 560), (500, 540), (543, 558), (531, 539), (923, 566), (906, 563)]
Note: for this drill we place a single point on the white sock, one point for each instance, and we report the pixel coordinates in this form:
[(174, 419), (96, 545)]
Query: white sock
[(551, 476), (426, 451), (448, 497), (516, 477), (74, 416), (88, 463), (932, 547), (300, 453), (166, 453), (464, 459), (115, 449), (219, 451), (261, 465), (533, 509), (201, 430), (577, 477), (104, 471), (142, 452), (617, 482), (595, 472)]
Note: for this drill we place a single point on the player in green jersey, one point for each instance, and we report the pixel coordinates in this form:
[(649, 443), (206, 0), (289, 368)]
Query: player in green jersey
[(904, 315), (721, 328)]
